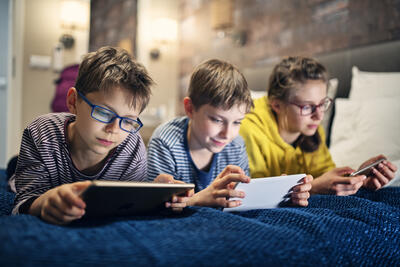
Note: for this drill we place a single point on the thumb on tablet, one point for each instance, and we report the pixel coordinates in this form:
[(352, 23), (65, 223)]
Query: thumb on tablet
[(165, 178), (78, 187)]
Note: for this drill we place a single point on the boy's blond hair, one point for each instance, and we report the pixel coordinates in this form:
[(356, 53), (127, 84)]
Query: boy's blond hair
[(220, 84), (110, 67)]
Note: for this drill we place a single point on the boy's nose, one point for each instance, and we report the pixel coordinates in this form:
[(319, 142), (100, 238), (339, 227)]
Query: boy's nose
[(224, 133), (113, 126)]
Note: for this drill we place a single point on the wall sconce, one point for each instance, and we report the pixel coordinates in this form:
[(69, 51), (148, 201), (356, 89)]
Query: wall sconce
[(165, 31), (222, 21), (74, 15)]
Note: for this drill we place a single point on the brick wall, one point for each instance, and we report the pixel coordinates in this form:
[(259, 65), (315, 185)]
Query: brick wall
[(113, 22), (276, 28)]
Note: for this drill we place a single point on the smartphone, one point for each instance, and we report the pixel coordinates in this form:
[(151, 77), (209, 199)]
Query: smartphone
[(367, 169)]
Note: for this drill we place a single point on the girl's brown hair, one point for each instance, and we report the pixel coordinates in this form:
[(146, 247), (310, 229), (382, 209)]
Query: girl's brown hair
[(290, 72)]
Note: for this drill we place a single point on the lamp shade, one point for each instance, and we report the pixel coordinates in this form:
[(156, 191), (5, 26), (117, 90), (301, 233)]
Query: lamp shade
[(74, 14), (165, 30)]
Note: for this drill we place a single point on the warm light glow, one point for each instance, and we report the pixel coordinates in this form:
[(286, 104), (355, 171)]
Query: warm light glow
[(165, 30), (74, 14)]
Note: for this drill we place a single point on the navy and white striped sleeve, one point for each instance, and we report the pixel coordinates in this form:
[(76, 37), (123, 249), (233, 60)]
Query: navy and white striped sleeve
[(32, 178), (160, 160)]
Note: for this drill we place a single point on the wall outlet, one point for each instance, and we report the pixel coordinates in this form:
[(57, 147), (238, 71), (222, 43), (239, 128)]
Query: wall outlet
[(40, 62)]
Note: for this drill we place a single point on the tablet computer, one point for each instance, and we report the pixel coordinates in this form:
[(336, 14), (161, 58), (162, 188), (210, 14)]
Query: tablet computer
[(267, 192), (119, 198)]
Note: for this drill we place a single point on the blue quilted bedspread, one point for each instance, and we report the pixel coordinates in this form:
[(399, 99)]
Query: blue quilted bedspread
[(361, 230)]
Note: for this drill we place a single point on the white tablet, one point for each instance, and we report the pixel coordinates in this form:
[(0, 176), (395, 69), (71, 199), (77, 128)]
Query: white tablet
[(266, 193), (118, 198)]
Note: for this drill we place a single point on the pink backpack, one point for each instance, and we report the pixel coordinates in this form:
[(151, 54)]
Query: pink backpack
[(67, 80)]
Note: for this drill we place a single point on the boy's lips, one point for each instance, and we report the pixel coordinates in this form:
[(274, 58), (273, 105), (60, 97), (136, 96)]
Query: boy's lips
[(105, 142), (218, 143)]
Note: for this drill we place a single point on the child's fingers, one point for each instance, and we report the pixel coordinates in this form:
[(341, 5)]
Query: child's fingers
[(386, 171), (230, 169), (232, 177), (178, 205), (300, 202), (347, 189), (228, 193), (372, 160), (175, 207), (382, 178), (308, 179), (165, 178), (47, 216), (300, 195), (190, 193), (302, 187), (390, 165), (350, 180), (344, 171), (71, 198), (78, 187), (181, 199), (233, 203), (55, 214), (58, 202), (376, 183)]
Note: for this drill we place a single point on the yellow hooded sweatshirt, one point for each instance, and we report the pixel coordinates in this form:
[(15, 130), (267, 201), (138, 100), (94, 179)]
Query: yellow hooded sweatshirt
[(269, 155)]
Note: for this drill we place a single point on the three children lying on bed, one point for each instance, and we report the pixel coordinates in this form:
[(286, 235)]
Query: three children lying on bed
[(99, 139)]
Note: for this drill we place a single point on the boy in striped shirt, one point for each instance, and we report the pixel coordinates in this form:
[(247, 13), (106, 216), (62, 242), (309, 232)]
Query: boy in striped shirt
[(98, 140), (204, 147)]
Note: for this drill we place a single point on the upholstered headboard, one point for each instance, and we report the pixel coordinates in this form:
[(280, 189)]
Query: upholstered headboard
[(384, 57)]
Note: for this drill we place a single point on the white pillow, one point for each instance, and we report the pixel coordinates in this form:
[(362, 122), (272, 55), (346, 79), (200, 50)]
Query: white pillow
[(257, 94), (367, 85), (363, 129)]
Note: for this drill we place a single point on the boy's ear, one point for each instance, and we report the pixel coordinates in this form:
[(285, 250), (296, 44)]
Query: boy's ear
[(188, 105), (72, 98)]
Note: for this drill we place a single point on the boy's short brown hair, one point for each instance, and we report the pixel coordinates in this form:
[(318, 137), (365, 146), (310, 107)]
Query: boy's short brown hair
[(219, 84), (109, 67)]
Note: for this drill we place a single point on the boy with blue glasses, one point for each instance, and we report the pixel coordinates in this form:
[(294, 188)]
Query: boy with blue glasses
[(98, 140)]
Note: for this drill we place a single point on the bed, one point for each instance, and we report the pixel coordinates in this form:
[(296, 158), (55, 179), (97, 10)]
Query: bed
[(360, 230)]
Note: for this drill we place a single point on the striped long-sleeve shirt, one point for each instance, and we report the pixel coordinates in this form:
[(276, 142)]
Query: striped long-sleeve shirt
[(168, 152), (44, 161)]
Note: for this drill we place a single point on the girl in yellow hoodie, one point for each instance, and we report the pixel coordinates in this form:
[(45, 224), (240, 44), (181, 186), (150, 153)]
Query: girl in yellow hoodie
[(283, 133)]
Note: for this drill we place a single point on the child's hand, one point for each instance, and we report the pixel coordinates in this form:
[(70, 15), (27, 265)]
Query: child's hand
[(335, 182), (381, 175), (217, 194), (61, 204), (301, 193), (178, 202)]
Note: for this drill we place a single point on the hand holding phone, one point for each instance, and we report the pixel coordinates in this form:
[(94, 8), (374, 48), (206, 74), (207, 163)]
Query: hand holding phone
[(367, 169)]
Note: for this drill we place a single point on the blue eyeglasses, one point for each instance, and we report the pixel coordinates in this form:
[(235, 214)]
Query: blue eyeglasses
[(105, 115)]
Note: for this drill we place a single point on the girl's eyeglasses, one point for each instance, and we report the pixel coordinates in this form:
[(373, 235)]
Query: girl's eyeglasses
[(309, 109)]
